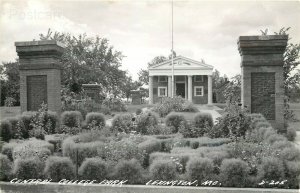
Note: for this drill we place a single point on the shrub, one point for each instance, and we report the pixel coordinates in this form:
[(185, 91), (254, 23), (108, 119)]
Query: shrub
[(125, 149), (290, 154), (9, 101), (271, 168), (272, 138), (115, 104), (5, 167), (163, 170), (58, 168), (33, 148), (38, 133), (5, 130), (15, 127), (97, 118), (51, 121), (148, 147), (200, 169), (26, 118), (217, 156), (130, 170), (71, 118), (189, 107), (29, 168), (234, 122), (203, 120), (168, 105), (293, 174), (145, 121), (291, 134), (194, 144), (138, 111), (8, 149), (93, 169), (122, 123), (85, 150), (175, 120), (233, 173)]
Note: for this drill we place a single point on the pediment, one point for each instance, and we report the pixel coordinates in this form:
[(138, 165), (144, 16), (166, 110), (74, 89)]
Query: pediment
[(181, 62)]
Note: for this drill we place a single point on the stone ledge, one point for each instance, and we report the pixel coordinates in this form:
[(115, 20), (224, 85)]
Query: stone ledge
[(41, 42), (39, 66)]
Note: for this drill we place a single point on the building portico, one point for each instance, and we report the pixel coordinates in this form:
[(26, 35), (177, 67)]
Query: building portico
[(192, 80)]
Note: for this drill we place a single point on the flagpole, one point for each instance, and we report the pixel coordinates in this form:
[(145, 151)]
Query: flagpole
[(172, 51)]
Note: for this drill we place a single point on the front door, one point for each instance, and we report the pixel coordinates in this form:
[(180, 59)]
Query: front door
[(180, 89)]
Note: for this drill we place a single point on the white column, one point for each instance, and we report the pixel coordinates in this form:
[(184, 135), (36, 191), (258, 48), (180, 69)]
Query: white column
[(169, 86), (185, 88), (150, 90), (190, 88), (209, 90)]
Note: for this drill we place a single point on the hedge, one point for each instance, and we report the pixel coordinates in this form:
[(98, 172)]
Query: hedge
[(71, 118), (200, 169), (58, 168), (5, 167), (93, 169), (97, 118), (175, 121), (29, 168), (130, 170), (163, 170)]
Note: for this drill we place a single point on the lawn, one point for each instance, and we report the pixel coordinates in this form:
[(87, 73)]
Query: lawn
[(6, 112)]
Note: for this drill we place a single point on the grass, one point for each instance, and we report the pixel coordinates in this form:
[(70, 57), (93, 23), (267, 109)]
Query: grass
[(6, 112)]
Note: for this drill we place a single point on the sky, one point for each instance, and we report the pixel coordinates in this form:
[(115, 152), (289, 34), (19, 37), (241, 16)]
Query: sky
[(141, 30)]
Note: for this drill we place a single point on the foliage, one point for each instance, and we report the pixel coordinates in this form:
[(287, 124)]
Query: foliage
[(291, 134), (138, 111), (10, 83), (94, 169), (122, 123), (235, 122), (203, 120), (271, 168), (79, 151), (88, 59), (146, 122), (33, 148), (115, 104), (232, 91), (9, 101), (234, 173), (200, 169), (175, 121), (163, 170), (58, 168), (130, 170), (5, 130), (168, 104), (97, 119), (8, 148), (143, 76), (29, 168), (5, 167), (26, 118), (71, 118), (148, 147)]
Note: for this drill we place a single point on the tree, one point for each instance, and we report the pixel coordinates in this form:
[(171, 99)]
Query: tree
[(143, 76), (157, 60), (232, 91), (10, 81), (89, 60), (128, 86)]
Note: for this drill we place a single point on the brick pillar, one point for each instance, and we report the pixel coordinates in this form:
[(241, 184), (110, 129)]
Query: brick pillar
[(262, 76), (190, 89), (40, 73), (150, 90)]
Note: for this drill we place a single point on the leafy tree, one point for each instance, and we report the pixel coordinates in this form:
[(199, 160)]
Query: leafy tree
[(232, 91), (143, 76), (129, 85), (10, 81), (89, 60)]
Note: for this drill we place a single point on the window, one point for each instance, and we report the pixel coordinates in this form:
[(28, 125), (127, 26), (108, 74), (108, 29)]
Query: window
[(198, 91), (198, 78), (162, 79), (162, 91)]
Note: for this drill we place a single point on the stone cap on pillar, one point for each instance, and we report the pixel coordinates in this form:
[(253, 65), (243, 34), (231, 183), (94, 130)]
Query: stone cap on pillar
[(39, 54), (264, 44)]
